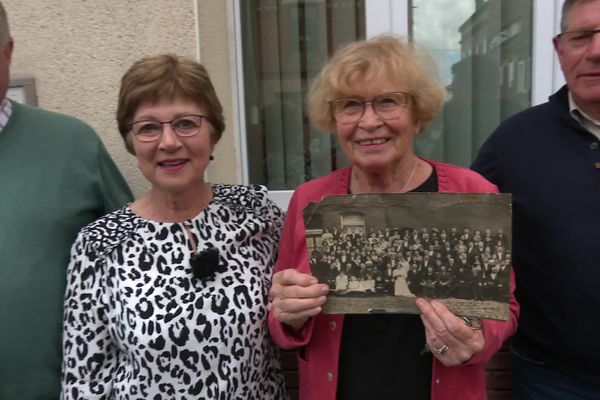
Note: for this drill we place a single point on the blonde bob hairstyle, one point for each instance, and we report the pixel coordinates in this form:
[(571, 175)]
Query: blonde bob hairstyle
[(385, 58), (167, 77)]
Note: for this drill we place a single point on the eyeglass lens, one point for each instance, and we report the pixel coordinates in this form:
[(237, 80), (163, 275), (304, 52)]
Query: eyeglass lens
[(187, 125), (386, 106), (578, 39)]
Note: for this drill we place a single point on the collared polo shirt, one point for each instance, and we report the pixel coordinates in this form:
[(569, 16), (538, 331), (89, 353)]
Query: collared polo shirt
[(589, 123)]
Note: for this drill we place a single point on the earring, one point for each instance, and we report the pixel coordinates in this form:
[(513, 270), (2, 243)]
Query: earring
[(211, 158)]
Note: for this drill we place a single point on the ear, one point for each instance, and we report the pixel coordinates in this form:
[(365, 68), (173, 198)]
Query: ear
[(213, 137), (558, 48), (213, 144), (129, 143), (419, 126), (8, 49)]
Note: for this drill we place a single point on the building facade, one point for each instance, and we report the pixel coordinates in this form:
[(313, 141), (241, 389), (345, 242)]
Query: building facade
[(495, 58)]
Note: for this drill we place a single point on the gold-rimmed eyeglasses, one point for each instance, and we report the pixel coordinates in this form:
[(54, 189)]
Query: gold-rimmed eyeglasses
[(386, 106), (150, 130), (578, 39)]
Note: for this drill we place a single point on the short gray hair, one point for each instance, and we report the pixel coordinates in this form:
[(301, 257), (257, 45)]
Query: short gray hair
[(4, 30), (566, 8)]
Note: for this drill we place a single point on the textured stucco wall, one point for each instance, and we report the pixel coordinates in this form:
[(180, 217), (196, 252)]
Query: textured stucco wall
[(77, 51), (216, 43)]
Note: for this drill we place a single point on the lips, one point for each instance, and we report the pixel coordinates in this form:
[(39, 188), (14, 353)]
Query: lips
[(371, 142), (590, 75), (172, 164), (593, 72)]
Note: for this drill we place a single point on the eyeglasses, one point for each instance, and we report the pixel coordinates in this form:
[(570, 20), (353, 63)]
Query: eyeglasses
[(386, 106), (578, 39), (149, 130)]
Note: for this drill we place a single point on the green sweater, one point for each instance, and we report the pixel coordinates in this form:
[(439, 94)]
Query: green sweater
[(55, 177)]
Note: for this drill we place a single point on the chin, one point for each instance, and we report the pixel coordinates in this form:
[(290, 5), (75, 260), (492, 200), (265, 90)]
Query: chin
[(373, 166), (173, 188), (591, 96)]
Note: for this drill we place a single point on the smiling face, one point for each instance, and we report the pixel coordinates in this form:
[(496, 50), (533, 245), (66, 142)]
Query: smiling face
[(372, 144), (173, 164), (581, 65)]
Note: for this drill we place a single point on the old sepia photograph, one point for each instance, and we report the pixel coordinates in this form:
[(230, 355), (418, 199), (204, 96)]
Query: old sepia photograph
[(378, 252)]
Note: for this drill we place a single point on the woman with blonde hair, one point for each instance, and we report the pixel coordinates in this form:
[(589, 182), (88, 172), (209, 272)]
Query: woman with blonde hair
[(375, 96)]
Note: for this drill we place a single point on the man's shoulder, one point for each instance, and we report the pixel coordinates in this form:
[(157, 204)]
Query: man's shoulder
[(539, 119), (50, 122), (530, 116)]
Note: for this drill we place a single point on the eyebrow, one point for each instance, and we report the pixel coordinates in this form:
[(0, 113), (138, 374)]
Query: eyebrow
[(147, 117)]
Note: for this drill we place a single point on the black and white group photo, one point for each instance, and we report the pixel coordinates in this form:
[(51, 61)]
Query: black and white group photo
[(454, 249)]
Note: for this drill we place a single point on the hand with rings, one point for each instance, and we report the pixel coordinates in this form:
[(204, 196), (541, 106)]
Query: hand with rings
[(441, 350), (453, 340)]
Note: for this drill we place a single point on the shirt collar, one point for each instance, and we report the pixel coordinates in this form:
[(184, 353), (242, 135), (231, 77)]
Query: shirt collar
[(589, 123), (5, 113)]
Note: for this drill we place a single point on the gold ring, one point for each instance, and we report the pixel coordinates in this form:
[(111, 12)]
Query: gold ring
[(441, 350)]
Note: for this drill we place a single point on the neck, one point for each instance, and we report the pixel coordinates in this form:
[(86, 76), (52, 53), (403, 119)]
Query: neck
[(590, 109), (158, 205), (398, 180), (593, 111)]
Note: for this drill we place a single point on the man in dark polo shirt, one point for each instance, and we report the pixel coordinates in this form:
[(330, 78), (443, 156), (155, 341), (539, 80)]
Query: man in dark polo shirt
[(548, 157)]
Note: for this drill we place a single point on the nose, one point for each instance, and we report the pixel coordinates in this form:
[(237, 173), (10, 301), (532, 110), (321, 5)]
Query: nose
[(369, 119), (168, 139)]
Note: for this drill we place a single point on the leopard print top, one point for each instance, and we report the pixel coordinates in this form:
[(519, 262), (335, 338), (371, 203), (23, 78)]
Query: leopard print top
[(138, 325)]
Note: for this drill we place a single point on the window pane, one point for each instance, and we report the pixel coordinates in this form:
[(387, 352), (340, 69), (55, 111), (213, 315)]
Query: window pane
[(285, 44), (483, 49)]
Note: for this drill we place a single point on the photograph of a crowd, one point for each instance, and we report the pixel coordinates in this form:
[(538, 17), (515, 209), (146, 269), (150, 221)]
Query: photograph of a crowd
[(379, 252)]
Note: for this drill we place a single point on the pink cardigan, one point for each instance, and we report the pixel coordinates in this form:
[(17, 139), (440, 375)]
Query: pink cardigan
[(320, 338)]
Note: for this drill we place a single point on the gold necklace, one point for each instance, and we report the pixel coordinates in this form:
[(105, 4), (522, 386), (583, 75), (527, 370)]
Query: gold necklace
[(404, 186), (412, 174)]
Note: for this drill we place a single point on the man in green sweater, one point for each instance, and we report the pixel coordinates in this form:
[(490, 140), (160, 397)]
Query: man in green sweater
[(55, 177)]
